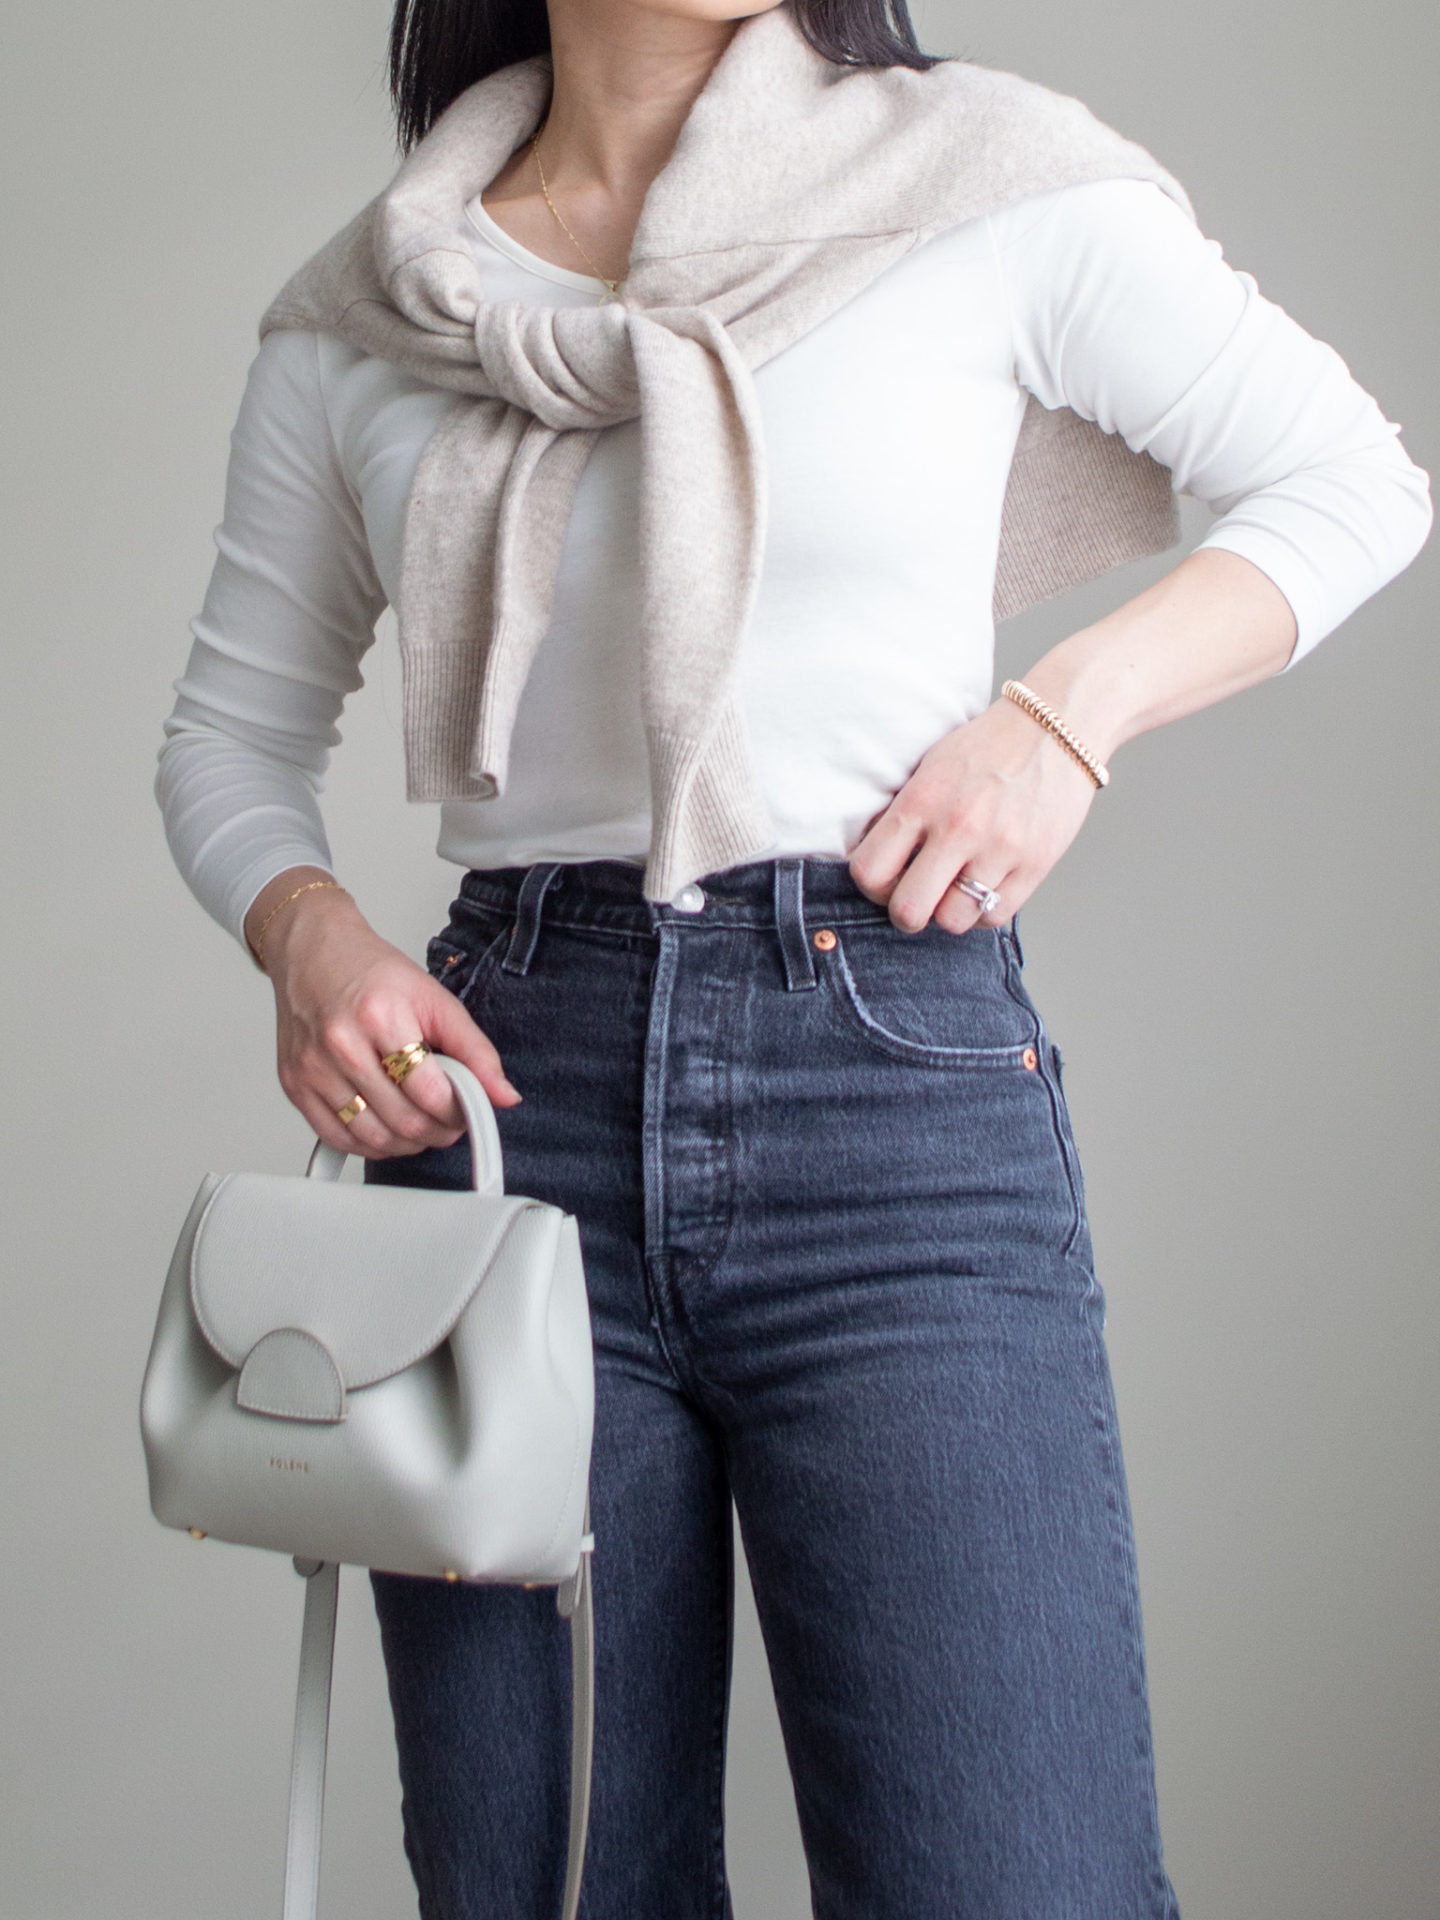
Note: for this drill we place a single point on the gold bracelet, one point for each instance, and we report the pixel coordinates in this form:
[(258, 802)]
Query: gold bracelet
[(1047, 717), (311, 886)]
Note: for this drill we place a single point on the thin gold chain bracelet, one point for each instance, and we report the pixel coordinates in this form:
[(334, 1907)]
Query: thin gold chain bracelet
[(311, 886), (1045, 716)]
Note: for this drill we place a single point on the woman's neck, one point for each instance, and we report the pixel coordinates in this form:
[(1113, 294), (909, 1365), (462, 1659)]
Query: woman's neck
[(626, 76)]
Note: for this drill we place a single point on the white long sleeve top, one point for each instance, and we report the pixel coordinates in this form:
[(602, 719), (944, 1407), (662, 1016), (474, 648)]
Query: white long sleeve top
[(872, 634)]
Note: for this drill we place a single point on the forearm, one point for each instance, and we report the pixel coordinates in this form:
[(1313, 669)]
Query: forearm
[(1212, 627), (236, 812), (1124, 312)]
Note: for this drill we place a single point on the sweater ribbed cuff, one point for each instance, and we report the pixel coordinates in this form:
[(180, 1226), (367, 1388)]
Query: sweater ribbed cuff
[(443, 689), (707, 808)]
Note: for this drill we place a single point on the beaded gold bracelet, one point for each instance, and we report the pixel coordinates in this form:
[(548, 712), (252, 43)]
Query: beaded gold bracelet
[(311, 886), (1046, 716)]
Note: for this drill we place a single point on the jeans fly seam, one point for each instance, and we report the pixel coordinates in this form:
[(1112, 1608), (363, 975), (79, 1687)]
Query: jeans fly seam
[(723, 1102), (657, 1285), (699, 1268), (656, 1061)]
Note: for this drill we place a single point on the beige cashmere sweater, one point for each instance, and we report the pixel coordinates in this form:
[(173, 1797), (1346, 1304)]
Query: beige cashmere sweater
[(793, 184)]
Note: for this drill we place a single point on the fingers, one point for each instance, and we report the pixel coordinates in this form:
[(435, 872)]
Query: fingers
[(395, 1121), (922, 886), (989, 800), (909, 864), (885, 851), (364, 1135), (898, 866), (958, 912), (324, 1066), (428, 1090), (324, 1079), (449, 1029)]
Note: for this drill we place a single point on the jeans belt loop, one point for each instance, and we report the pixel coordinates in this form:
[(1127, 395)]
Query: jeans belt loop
[(528, 908), (790, 926)]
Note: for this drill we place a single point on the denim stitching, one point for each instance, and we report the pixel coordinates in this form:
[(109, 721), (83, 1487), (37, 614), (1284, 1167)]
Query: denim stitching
[(720, 1713), (982, 1059), (699, 1268), (1059, 1123), (529, 918), (795, 954), (460, 979), (1122, 1541), (1063, 1146), (657, 1289)]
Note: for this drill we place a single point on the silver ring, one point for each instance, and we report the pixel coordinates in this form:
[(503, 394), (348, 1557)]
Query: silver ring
[(986, 897)]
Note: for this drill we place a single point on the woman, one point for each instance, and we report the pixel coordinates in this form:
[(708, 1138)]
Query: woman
[(697, 396)]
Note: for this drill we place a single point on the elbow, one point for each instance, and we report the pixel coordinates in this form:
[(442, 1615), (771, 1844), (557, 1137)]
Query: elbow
[(1406, 508), (1423, 518)]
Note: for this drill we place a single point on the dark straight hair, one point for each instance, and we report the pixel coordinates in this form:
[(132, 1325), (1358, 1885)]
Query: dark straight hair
[(438, 48)]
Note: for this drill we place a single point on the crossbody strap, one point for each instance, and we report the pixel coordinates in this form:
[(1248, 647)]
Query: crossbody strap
[(312, 1728), (575, 1600), (312, 1731)]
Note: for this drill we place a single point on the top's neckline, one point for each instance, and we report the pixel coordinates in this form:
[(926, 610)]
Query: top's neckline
[(490, 229)]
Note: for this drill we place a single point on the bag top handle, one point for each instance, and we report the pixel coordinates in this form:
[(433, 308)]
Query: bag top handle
[(487, 1166)]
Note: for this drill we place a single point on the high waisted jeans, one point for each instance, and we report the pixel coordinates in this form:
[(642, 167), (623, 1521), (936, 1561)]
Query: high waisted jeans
[(835, 1239)]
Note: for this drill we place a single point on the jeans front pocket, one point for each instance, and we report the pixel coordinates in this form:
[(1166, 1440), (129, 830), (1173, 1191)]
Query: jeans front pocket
[(956, 1005), (461, 957), (936, 999)]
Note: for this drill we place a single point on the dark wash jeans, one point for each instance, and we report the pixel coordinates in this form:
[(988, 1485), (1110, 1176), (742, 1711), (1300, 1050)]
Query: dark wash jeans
[(839, 1268)]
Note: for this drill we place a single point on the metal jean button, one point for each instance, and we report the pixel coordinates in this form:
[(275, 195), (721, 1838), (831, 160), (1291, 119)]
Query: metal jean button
[(689, 899)]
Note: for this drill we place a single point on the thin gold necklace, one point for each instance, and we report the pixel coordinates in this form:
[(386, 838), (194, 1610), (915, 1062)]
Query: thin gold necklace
[(613, 285)]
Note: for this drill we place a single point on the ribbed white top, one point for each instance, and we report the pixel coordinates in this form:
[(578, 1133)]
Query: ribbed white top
[(872, 634)]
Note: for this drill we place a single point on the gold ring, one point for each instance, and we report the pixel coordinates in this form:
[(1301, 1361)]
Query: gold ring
[(405, 1060), (352, 1109)]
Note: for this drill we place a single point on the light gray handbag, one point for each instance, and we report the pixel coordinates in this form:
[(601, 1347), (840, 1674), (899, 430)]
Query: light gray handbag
[(385, 1376)]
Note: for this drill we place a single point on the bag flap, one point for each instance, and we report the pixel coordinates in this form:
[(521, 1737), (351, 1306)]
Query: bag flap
[(378, 1275)]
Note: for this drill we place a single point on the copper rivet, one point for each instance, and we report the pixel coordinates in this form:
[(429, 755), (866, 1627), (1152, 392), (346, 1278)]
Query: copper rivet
[(1031, 1059), (452, 959), (825, 940), (451, 1575), (197, 1533)]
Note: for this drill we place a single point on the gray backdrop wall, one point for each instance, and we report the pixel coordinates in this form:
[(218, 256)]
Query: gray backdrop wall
[(1239, 958)]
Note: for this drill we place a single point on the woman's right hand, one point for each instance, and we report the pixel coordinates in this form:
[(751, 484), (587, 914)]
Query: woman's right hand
[(344, 998)]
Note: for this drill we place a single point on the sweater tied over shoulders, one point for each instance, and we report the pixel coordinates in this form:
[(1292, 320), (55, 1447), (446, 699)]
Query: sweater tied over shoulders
[(794, 183)]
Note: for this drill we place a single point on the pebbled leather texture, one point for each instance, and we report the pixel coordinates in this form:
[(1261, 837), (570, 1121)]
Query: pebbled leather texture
[(273, 1252), (385, 1377), (459, 1328)]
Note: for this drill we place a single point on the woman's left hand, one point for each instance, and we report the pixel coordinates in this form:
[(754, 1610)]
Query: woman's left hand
[(998, 800)]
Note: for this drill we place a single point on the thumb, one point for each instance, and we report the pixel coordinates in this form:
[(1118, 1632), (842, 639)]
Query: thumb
[(449, 1029)]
